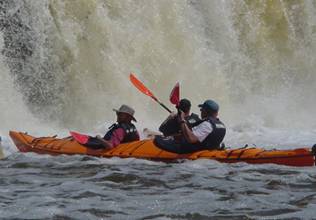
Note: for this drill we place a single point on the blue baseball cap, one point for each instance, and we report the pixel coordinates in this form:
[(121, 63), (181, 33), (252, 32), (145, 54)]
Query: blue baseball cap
[(210, 105)]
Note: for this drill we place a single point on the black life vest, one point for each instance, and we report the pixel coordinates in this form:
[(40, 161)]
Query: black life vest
[(215, 138), (172, 126), (131, 133)]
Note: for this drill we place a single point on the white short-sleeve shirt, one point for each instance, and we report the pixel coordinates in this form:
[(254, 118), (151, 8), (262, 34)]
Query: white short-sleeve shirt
[(202, 130)]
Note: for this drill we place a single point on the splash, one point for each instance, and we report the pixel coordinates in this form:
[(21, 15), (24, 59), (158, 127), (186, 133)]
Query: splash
[(68, 62)]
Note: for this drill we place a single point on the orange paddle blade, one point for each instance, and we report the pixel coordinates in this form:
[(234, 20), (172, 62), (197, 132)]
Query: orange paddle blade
[(140, 86)]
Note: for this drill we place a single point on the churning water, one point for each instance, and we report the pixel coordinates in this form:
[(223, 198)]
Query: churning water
[(64, 65)]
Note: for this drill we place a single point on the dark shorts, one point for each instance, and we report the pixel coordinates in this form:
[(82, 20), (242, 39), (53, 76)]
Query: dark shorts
[(174, 146)]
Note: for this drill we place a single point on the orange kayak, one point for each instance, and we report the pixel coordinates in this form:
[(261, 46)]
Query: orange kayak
[(147, 150)]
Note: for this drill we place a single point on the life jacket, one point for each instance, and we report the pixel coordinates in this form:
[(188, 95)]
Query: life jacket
[(130, 130), (192, 119), (215, 138), (172, 126)]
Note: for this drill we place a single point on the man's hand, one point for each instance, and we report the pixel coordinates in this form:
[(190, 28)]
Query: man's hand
[(181, 116), (187, 133), (172, 115)]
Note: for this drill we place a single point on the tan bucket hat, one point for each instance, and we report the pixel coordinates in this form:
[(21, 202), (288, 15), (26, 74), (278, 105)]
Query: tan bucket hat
[(126, 109)]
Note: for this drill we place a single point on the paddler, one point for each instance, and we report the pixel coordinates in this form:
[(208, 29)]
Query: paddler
[(171, 126), (206, 134), (121, 132)]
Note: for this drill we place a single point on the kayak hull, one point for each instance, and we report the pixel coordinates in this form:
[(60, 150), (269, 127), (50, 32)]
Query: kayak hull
[(147, 150)]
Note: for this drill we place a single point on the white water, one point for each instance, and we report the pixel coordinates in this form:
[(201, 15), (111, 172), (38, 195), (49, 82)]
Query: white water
[(256, 58), (65, 64)]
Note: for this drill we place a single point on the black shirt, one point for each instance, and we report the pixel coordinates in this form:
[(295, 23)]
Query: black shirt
[(172, 126)]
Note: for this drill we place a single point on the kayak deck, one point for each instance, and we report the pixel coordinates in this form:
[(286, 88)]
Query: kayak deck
[(147, 150)]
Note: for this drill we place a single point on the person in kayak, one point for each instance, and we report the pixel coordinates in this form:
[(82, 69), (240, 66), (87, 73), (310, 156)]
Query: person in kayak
[(121, 132), (206, 134), (171, 126)]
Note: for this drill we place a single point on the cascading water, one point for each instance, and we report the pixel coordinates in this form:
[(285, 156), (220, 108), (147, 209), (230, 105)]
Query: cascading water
[(67, 62)]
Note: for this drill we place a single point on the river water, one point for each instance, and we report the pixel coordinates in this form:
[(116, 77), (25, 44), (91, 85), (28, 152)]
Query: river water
[(64, 65), (80, 187)]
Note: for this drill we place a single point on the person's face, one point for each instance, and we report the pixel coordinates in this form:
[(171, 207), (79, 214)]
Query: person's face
[(203, 113), (123, 117), (187, 110)]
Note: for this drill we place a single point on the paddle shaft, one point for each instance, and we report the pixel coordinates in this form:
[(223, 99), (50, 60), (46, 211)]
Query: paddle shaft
[(161, 104)]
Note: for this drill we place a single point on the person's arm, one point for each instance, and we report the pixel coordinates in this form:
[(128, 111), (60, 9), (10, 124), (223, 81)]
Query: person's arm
[(172, 115), (167, 124), (188, 134), (105, 143), (186, 131), (116, 138)]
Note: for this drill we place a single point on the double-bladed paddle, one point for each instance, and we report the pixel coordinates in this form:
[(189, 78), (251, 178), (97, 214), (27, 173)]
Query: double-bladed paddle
[(86, 140), (174, 99)]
